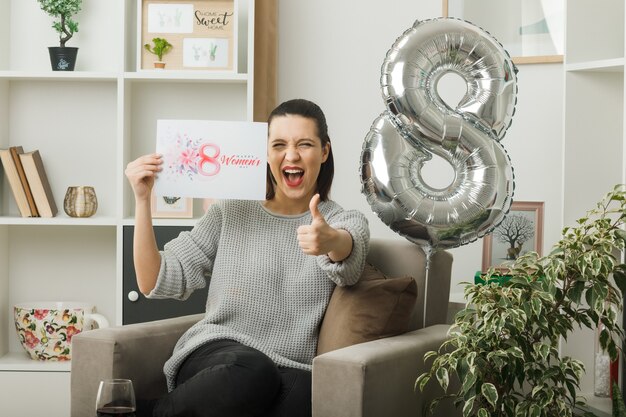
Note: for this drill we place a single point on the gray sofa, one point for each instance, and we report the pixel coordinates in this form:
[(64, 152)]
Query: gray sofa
[(372, 379)]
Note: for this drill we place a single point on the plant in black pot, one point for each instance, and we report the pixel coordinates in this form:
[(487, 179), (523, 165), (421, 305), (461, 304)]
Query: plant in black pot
[(62, 58)]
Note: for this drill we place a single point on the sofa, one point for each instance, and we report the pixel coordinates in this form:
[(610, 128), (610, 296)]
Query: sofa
[(374, 378)]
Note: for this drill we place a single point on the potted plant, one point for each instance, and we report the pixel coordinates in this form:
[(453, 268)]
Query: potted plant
[(619, 410), (503, 348), (62, 58), (160, 47)]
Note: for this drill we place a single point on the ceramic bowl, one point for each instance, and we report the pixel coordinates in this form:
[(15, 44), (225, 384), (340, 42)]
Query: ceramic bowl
[(45, 329)]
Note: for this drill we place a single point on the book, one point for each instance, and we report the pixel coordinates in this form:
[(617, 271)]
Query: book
[(39, 185), (15, 152), (13, 178)]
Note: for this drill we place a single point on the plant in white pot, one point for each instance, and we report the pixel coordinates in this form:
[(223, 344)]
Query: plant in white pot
[(62, 58), (503, 350)]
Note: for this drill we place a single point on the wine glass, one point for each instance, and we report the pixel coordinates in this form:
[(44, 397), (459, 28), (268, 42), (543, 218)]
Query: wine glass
[(116, 398)]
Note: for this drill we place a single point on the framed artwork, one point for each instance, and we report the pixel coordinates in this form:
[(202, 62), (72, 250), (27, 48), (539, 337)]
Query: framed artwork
[(521, 231), (171, 207), (532, 31), (203, 33)]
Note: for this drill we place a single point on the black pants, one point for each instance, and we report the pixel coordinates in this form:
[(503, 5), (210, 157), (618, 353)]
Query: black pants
[(224, 378)]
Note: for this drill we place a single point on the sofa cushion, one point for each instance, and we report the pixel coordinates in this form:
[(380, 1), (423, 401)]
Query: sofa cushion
[(375, 307)]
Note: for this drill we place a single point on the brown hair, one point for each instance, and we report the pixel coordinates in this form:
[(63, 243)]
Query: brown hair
[(310, 110)]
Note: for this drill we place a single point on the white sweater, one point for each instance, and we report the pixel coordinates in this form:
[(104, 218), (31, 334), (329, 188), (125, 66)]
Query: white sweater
[(264, 291)]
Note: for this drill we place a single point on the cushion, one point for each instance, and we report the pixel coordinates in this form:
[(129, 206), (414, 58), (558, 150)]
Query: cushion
[(373, 308)]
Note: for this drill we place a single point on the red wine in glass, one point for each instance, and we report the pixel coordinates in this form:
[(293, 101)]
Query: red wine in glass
[(116, 398), (116, 412)]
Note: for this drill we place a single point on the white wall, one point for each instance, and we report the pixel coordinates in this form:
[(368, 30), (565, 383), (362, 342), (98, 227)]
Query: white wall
[(331, 52), (5, 15), (4, 289)]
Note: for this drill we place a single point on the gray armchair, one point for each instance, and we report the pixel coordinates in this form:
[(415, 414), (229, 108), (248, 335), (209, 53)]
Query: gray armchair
[(372, 379)]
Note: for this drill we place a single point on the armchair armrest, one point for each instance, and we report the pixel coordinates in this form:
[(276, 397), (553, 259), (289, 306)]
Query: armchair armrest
[(377, 378), (136, 352)]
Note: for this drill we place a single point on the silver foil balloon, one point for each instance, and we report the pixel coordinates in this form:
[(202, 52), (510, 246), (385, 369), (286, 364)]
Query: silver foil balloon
[(418, 124)]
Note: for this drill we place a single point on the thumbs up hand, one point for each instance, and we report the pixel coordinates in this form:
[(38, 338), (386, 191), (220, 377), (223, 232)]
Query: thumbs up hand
[(315, 211), (319, 238)]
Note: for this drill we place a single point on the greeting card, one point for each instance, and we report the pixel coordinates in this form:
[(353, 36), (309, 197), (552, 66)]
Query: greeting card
[(212, 159)]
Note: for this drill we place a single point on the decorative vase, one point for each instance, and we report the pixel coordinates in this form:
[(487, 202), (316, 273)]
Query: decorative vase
[(80, 201), (605, 370), (602, 374), (62, 58)]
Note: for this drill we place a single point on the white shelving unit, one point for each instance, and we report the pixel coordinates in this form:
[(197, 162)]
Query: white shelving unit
[(594, 131), (87, 124)]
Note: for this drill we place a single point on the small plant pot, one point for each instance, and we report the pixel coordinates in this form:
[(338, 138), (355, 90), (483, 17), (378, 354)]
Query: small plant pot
[(62, 58), (159, 65)]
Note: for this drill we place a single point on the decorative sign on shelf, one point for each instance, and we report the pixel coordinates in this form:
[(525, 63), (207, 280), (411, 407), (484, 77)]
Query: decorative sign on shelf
[(203, 34)]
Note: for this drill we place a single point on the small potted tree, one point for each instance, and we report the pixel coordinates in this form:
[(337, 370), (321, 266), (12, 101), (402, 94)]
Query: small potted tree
[(503, 352), (160, 47), (62, 58)]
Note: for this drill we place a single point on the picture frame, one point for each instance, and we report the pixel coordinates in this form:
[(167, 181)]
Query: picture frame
[(532, 32), (206, 203), (521, 231), (203, 34), (171, 207)]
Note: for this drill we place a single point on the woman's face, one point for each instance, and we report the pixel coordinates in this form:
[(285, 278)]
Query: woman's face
[(295, 155)]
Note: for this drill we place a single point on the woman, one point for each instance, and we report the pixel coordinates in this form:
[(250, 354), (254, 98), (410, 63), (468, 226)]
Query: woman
[(271, 266)]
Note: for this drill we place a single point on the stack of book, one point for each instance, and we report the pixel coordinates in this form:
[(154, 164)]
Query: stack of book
[(28, 181)]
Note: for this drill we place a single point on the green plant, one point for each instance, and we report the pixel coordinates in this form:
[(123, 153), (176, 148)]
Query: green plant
[(503, 347), (62, 10), (161, 46)]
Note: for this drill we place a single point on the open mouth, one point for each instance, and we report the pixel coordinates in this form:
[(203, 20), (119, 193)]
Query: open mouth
[(293, 176)]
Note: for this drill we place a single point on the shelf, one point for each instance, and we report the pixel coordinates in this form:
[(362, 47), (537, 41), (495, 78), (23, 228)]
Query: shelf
[(593, 137), (60, 220), (192, 76), (129, 221), (58, 76), (604, 65), (21, 362), (88, 124)]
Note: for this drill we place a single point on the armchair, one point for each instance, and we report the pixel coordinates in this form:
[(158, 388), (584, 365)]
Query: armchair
[(372, 379)]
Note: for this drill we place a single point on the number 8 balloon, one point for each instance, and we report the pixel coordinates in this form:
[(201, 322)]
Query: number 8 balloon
[(418, 124)]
